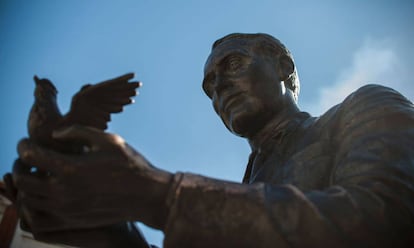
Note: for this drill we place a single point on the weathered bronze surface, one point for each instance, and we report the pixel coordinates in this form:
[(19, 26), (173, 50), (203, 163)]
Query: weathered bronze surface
[(344, 179)]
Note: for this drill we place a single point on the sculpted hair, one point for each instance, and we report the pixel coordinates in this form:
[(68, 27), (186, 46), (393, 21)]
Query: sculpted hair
[(272, 47)]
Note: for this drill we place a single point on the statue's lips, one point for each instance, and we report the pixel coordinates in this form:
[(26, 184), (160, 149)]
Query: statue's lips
[(232, 100)]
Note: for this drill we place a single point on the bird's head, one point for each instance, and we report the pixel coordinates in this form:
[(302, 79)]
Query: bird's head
[(44, 88)]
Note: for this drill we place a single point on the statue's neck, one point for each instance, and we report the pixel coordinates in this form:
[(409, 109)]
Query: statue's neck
[(277, 128)]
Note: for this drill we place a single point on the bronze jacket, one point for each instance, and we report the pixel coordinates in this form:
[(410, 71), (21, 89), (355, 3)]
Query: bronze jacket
[(345, 179)]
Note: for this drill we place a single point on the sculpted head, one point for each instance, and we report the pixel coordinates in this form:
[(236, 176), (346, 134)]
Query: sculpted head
[(44, 88), (251, 79), (268, 45)]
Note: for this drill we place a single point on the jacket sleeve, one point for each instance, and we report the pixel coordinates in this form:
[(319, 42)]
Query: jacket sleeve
[(369, 203)]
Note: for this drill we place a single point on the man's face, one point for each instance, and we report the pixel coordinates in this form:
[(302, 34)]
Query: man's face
[(243, 85)]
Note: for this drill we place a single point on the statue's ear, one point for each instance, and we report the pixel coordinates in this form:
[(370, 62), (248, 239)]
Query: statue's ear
[(286, 67)]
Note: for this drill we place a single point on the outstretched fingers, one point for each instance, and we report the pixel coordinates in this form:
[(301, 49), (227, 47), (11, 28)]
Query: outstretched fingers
[(96, 139), (46, 160), (124, 77)]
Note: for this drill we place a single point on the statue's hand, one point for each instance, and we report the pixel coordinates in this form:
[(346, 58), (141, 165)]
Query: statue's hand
[(111, 183)]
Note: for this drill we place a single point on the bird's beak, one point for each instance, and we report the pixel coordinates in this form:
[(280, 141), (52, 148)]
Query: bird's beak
[(36, 79)]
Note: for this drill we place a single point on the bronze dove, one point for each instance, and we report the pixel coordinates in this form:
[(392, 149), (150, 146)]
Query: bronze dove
[(91, 106)]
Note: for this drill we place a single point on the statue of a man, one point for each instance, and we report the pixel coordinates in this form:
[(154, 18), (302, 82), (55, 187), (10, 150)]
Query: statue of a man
[(344, 179)]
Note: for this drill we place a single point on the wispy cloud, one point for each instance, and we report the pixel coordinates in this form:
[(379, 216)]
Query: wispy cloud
[(376, 61)]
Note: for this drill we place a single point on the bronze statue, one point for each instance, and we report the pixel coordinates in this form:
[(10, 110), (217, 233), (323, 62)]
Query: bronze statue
[(344, 179)]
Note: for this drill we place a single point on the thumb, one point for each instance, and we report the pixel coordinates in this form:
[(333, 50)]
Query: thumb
[(94, 139)]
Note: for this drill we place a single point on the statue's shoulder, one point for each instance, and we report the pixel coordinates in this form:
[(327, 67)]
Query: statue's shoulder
[(374, 107), (374, 94), (369, 107), (374, 101), (370, 110)]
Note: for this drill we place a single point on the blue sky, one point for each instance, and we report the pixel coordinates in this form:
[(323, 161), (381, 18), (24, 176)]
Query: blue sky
[(338, 46)]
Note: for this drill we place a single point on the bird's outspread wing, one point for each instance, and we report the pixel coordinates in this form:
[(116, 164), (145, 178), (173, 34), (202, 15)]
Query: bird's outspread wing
[(93, 104)]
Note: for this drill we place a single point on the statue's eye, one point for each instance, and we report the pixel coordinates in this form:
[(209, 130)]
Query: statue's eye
[(233, 63)]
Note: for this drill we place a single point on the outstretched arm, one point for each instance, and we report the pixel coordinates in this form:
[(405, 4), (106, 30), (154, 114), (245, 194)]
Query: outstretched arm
[(370, 202)]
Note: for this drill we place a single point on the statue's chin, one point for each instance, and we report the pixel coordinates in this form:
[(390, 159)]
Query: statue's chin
[(242, 125), (245, 119), (248, 123)]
